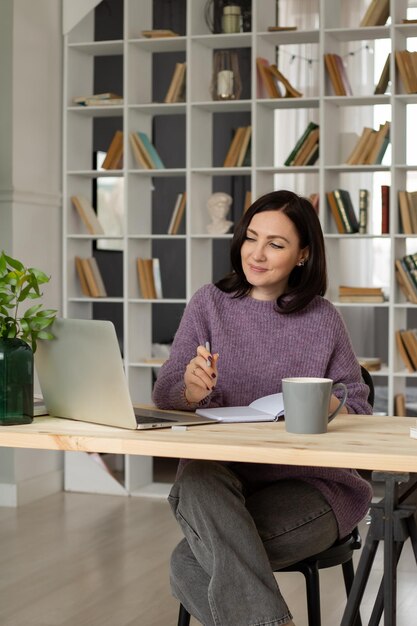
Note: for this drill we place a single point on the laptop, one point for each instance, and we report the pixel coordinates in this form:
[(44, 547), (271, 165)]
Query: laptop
[(82, 378)]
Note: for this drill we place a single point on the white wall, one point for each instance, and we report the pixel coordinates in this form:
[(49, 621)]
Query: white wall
[(30, 184)]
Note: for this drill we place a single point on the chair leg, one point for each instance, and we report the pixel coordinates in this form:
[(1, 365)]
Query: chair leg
[(183, 617), (348, 576), (311, 574)]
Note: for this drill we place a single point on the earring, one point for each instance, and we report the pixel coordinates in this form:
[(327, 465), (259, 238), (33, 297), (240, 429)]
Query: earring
[(301, 263)]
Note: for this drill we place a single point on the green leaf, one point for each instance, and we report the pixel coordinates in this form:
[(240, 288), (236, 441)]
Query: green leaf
[(33, 309), (17, 265), (43, 334)]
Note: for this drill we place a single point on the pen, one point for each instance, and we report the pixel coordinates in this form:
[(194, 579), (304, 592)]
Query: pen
[(208, 362)]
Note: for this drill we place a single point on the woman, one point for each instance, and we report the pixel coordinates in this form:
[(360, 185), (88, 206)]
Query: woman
[(265, 321)]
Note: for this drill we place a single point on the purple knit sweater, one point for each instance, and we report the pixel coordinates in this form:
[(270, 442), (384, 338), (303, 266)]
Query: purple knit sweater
[(258, 346)]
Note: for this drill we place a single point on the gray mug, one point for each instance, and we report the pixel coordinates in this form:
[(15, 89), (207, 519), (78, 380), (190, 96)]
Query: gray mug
[(306, 404)]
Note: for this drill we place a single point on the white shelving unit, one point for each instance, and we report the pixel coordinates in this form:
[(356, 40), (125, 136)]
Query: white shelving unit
[(335, 115)]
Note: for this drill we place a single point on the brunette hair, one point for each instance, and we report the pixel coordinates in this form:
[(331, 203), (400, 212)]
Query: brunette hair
[(305, 282)]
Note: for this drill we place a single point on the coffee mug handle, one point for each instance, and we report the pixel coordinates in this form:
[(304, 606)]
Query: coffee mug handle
[(342, 401)]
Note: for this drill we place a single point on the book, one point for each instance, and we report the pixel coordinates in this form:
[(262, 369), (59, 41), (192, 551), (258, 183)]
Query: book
[(355, 155), (360, 294), (359, 291), (175, 91), (290, 91), (114, 157), (399, 406), (405, 213), (337, 73), (157, 33), (365, 299), (310, 127), (150, 278), (87, 214), (380, 145), (177, 214), (157, 281), (248, 201), (98, 280), (267, 409), (372, 364), (402, 350), (90, 278), (141, 156), (404, 63), (275, 29), (107, 97), (95, 102), (363, 210), (308, 149), (266, 85), (143, 278), (376, 14), (341, 69), (405, 280), (234, 147), (244, 146), (385, 193), (81, 276), (383, 81), (345, 206), (334, 209), (150, 149)]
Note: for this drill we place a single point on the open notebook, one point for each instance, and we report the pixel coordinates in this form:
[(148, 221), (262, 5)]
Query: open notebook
[(266, 409)]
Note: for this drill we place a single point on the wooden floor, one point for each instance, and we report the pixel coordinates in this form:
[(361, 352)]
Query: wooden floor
[(81, 560)]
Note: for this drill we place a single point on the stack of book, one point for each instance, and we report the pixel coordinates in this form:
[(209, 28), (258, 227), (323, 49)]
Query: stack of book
[(149, 275), (337, 73), (406, 275), (360, 294), (272, 83), (114, 157), (306, 150), (407, 204), (159, 33), (99, 99), (406, 63), (87, 215), (370, 146), (341, 207), (406, 341), (145, 152), (176, 89), (177, 214), (371, 363), (90, 278), (238, 154), (376, 14)]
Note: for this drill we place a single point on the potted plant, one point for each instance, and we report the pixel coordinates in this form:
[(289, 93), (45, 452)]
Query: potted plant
[(18, 336)]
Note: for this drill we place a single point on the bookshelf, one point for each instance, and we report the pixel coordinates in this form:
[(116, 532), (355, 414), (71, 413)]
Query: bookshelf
[(341, 120)]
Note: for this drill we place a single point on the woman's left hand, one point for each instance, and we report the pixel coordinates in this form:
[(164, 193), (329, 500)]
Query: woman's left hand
[(334, 403)]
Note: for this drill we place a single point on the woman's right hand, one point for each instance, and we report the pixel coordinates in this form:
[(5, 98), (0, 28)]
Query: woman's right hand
[(200, 378)]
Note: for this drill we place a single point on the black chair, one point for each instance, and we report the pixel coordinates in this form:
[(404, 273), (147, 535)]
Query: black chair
[(340, 553)]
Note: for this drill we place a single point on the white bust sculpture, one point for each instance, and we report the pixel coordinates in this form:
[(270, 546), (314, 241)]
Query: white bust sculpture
[(218, 206)]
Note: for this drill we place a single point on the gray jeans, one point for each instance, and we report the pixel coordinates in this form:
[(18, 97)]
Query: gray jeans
[(222, 572)]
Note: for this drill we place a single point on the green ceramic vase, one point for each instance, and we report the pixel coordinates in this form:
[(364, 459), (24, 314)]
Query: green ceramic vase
[(16, 382)]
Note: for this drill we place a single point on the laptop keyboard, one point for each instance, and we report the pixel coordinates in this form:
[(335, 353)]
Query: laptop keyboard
[(145, 417), (150, 420)]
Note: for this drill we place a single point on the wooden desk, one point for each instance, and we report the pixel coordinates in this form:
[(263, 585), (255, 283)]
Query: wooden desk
[(356, 441)]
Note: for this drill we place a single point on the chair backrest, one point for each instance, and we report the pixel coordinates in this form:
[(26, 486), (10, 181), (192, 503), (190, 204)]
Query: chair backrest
[(367, 379)]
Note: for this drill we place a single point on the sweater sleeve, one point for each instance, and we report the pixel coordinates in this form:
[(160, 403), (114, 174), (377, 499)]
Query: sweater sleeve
[(193, 330), (344, 367)]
